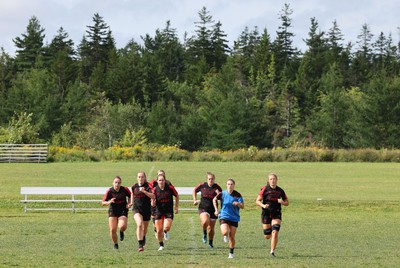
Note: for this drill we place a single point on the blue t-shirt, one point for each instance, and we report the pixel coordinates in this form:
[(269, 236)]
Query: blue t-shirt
[(228, 210)]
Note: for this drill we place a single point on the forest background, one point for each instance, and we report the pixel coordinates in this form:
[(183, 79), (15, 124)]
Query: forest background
[(199, 94)]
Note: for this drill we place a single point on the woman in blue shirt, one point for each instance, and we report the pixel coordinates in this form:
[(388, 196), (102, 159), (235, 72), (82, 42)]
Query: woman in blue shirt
[(229, 217)]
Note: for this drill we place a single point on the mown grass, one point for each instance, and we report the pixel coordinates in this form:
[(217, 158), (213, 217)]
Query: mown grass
[(340, 215)]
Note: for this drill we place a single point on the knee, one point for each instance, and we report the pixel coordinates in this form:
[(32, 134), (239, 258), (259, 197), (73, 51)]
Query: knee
[(275, 229), (267, 233)]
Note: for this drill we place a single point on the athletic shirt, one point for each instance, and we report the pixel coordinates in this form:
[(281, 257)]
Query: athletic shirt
[(270, 196), (120, 197), (207, 194), (228, 210), (140, 200), (164, 199)]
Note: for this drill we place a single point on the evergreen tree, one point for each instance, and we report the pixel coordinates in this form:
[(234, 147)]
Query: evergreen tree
[(124, 81), (330, 121), (311, 69), (6, 78), (199, 49), (362, 61), (30, 45), (285, 52), (223, 108), (383, 111), (219, 46), (61, 58), (94, 51)]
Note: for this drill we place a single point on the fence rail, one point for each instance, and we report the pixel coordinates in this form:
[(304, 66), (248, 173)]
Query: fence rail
[(23, 153)]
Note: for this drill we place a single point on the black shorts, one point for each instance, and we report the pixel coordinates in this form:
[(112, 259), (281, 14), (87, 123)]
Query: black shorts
[(159, 216), (268, 215), (115, 212), (145, 214), (230, 223), (211, 213)]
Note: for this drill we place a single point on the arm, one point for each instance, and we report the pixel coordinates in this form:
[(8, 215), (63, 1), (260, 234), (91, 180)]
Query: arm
[(106, 201), (148, 194), (260, 203), (130, 198), (284, 202), (215, 203), (194, 195), (239, 203), (176, 204), (176, 194)]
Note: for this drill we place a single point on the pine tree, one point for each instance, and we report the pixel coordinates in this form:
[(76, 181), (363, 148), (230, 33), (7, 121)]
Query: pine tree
[(30, 45)]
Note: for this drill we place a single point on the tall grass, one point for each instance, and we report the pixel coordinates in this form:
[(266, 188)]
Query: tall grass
[(340, 215)]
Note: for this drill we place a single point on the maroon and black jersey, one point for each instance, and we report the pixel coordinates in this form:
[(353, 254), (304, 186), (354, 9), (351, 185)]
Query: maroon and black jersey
[(120, 202), (270, 196), (164, 199), (207, 195), (141, 202)]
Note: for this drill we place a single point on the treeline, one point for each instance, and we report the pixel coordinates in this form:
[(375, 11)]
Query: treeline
[(199, 93)]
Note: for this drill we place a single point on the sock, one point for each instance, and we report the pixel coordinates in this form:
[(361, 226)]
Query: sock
[(205, 232), (161, 244), (140, 243), (210, 242), (231, 250)]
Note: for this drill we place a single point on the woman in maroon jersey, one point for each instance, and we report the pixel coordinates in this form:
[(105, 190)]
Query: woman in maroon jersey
[(153, 184), (270, 199), (208, 190), (118, 199), (164, 212), (141, 199)]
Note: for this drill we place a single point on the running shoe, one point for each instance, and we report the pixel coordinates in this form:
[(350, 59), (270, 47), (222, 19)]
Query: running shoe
[(121, 236), (160, 248), (166, 236), (210, 246), (226, 239), (230, 256), (272, 254), (204, 238), (141, 249), (115, 246)]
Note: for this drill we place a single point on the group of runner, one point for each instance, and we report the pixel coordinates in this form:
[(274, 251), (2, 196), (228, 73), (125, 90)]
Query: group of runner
[(154, 201)]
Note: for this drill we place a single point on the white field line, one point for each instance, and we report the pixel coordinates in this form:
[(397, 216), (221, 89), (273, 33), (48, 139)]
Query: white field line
[(194, 247), (150, 173)]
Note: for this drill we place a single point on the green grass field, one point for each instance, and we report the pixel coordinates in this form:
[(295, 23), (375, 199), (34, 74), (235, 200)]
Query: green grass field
[(340, 215)]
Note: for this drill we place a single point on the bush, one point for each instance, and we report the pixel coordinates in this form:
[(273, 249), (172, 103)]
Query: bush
[(173, 153)]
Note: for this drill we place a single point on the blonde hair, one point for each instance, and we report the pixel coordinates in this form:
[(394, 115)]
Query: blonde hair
[(273, 174)]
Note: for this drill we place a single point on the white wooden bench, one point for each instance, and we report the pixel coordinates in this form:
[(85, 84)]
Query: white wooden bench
[(23, 153), (73, 192)]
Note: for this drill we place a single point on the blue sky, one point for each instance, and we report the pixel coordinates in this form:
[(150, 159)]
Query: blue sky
[(130, 19)]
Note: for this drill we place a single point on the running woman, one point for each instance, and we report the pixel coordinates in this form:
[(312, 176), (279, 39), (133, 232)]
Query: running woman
[(141, 198), (208, 190), (271, 199), (164, 213), (229, 217), (118, 199)]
